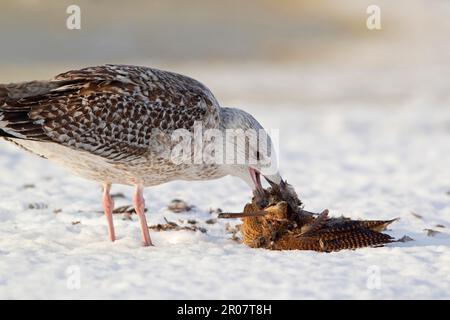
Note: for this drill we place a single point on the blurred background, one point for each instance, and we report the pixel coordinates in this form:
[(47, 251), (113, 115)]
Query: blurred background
[(364, 130), (296, 52)]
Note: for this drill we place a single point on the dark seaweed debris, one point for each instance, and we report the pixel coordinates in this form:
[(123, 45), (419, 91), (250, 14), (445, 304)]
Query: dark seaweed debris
[(173, 226)]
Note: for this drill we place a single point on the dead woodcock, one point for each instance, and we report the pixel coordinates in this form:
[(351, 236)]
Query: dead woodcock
[(284, 225)]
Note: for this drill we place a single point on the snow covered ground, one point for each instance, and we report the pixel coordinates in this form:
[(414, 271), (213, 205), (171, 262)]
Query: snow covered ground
[(362, 161)]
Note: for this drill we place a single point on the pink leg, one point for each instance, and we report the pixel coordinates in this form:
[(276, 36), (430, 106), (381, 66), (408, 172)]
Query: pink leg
[(108, 206), (139, 206)]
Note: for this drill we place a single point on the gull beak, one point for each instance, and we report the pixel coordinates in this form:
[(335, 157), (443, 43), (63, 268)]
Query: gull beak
[(256, 178), (258, 192), (275, 181)]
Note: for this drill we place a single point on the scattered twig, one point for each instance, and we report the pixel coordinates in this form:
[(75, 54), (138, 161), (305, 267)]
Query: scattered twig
[(37, 206), (126, 209), (215, 211), (405, 239), (173, 226), (431, 232), (178, 206), (418, 216), (118, 195), (211, 221)]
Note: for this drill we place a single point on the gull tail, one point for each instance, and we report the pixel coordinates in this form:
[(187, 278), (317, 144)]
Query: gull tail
[(18, 100), (16, 103), (3, 122)]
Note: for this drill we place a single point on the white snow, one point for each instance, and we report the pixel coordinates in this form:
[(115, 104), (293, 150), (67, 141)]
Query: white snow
[(367, 161)]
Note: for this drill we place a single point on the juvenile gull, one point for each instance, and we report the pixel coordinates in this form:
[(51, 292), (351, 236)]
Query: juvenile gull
[(110, 124)]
